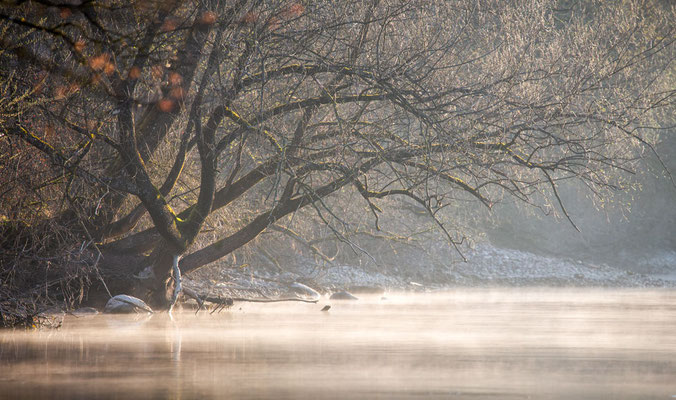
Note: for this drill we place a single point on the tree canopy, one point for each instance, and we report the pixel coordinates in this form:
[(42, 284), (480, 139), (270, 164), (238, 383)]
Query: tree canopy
[(138, 124)]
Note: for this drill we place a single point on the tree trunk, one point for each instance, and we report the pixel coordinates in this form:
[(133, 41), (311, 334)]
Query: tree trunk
[(146, 277)]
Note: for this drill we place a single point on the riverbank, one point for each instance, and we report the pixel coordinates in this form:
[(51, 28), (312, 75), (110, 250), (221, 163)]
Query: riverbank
[(486, 266)]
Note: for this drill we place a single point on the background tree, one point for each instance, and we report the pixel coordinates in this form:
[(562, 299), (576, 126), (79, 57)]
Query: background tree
[(182, 130)]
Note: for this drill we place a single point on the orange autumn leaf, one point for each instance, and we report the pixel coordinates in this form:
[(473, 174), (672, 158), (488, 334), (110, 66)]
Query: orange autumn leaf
[(79, 45), (166, 105), (134, 73), (99, 62), (169, 25), (208, 17), (65, 12), (292, 11), (109, 68), (175, 79)]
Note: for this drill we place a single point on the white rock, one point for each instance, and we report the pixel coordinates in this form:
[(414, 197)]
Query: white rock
[(124, 304), (304, 290), (343, 295)]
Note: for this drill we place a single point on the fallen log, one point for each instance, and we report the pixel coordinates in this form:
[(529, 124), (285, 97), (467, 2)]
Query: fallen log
[(224, 302)]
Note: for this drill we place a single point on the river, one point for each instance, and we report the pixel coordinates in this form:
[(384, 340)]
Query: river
[(459, 344)]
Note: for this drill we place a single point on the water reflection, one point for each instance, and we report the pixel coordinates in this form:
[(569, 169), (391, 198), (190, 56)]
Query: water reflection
[(473, 344)]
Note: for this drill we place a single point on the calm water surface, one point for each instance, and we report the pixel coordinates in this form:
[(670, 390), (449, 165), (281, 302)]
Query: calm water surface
[(465, 344)]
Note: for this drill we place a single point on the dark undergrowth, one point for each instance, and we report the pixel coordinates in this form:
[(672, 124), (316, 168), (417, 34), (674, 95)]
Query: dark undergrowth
[(40, 273)]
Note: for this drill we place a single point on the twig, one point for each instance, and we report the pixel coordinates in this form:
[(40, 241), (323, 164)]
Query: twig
[(558, 198), (270, 300)]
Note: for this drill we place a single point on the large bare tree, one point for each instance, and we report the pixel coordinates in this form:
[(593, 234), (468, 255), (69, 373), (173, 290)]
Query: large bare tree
[(159, 120)]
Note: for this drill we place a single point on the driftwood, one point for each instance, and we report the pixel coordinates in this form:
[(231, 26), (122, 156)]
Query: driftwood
[(223, 302), (269, 300)]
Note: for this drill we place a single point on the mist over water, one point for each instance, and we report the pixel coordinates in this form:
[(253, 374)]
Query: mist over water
[(463, 344)]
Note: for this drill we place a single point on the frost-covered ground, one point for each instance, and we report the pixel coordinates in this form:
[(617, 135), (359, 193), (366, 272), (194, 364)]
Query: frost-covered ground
[(492, 265), (486, 266)]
